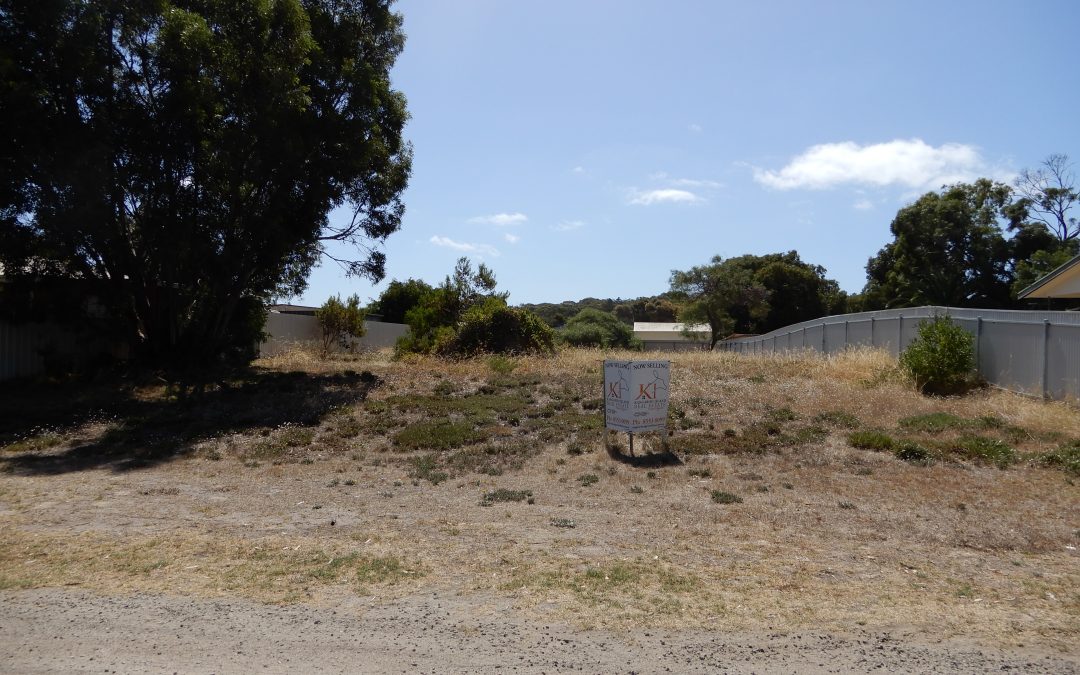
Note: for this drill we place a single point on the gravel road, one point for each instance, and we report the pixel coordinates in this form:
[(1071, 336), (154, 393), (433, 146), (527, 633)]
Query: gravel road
[(55, 630)]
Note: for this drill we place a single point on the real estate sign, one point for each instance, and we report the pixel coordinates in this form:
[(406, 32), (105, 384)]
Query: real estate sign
[(636, 395)]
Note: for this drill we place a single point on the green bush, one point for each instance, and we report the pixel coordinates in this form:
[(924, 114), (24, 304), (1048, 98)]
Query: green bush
[(493, 328), (593, 328), (942, 358)]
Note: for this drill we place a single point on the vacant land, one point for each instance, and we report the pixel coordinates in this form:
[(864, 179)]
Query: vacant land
[(793, 494)]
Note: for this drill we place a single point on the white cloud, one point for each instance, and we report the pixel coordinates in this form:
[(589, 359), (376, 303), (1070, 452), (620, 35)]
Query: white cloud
[(909, 163), (500, 219), (664, 196), (578, 170), (694, 128), (567, 225), (464, 247), (512, 238), (863, 205)]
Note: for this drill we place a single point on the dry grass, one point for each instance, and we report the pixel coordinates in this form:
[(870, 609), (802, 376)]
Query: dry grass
[(826, 536)]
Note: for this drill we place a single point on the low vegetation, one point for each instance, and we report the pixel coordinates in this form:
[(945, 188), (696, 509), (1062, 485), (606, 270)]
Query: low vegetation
[(359, 475)]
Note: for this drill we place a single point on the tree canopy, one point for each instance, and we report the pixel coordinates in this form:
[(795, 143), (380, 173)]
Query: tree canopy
[(756, 294), (948, 249), (182, 157)]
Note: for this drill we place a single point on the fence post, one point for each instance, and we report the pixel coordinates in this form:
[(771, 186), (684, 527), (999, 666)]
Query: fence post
[(847, 340), (824, 351), (978, 342), (1046, 359), (899, 335), (872, 343)]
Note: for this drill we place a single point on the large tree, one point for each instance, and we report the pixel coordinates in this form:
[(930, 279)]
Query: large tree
[(948, 249), (1048, 195), (713, 293), (182, 157)]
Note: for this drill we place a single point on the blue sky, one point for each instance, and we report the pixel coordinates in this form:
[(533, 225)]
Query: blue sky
[(588, 148)]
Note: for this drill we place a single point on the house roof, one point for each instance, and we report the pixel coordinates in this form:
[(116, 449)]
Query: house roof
[(1064, 282), (293, 309)]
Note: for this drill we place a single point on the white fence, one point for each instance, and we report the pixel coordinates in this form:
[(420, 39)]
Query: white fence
[(289, 331), (1029, 352)]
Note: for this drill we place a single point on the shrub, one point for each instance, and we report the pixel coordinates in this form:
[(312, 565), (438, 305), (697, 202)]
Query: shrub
[(942, 358), (593, 328), (721, 497), (492, 327), (912, 452), (990, 450), (339, 321)]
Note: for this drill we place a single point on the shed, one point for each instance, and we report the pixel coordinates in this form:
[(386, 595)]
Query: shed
[(670, 336)]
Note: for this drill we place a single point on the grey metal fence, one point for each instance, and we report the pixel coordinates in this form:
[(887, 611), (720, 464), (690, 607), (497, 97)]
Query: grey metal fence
[(1030, 352)]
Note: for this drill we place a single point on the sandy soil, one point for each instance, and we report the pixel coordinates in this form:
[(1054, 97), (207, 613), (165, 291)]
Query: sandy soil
[(57, 630)]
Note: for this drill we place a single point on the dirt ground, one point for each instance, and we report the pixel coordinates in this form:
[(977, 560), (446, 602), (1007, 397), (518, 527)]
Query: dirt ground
[(461, 517)]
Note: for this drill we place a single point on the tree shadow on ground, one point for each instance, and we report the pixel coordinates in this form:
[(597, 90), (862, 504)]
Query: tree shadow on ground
[(148, 430)]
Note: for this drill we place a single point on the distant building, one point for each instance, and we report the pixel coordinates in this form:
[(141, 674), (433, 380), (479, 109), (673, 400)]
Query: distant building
[(671, 337)]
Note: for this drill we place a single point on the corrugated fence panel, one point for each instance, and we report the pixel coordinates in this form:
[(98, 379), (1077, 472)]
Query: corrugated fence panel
[(1063, 362), (1010, 355), (1033, 352), (885, 334), (860, 333)]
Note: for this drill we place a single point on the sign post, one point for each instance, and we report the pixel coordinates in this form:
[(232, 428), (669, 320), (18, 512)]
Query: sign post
[(636, 396)]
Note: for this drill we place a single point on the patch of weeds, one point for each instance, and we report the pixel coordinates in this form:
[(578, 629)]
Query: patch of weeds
[(35, 443), (614, 575), (1065, 457), (756, 379), (989, 450), (787, 486), (848, 506), (871, 439), (377, 407), (837, 419), (577, 448), (592, 404), (781, 415), (651, 475), (426, 468), (563, 522), (348, 427), (912, 452), (810, 434), (636, 490), (588, 479), (933, 423), (761, 488), (333, 483), (721, 497), (350, 482), (502, 365), (383, 569), (441, 435), (252, 464), (504, 495), (445, 388), (699, 473)]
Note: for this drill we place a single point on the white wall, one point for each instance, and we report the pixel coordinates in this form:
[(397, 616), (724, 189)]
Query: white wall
[(289, 331)]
